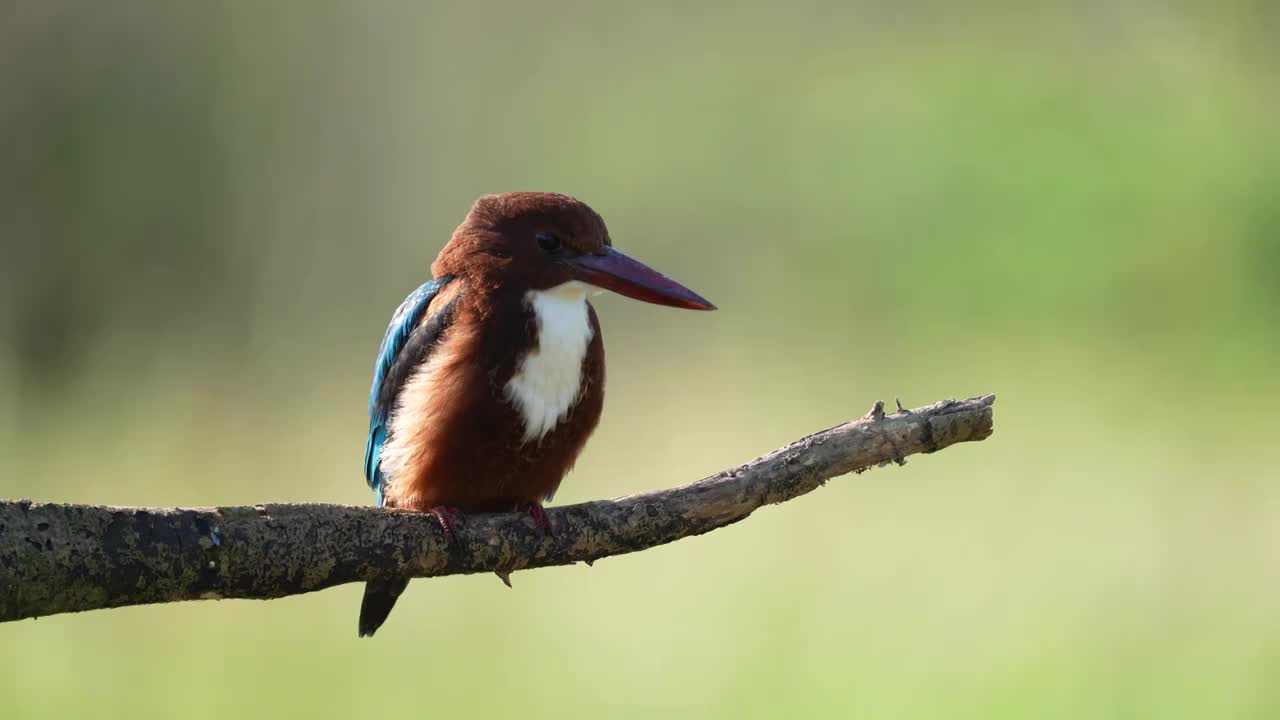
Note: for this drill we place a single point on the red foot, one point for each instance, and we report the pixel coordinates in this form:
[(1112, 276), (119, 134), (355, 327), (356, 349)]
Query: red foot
[(447, 517), (539, 515)]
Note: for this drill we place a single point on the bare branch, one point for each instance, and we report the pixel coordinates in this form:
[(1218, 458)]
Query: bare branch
[(57, 558)]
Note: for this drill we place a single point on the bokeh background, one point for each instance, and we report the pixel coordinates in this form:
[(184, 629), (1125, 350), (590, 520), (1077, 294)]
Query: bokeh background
[(209, 210)]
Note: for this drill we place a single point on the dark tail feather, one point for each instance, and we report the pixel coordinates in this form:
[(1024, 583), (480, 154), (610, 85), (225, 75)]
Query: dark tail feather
[(379, 597)]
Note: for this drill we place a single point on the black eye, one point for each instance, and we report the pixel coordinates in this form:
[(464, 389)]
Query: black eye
[(548, 241)]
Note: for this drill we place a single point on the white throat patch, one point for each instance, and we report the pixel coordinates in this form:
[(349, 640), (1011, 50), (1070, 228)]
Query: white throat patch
[(549, 378)]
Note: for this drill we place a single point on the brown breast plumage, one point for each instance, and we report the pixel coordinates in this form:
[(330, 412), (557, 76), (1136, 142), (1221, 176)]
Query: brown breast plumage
[(499, 412)]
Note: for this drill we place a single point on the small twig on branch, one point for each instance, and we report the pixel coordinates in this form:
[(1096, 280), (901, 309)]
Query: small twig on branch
[(57, 558)]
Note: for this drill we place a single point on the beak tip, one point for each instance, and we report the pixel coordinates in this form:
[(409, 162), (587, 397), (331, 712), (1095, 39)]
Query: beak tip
[(701, 303)]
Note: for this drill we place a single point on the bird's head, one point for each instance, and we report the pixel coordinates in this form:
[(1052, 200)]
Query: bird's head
[(540, 241)]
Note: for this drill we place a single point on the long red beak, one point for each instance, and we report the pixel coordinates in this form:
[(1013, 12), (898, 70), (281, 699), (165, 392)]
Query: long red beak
[(614, 271)]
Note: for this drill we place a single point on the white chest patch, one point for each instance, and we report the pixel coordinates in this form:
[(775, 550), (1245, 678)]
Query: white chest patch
[(549, 378)]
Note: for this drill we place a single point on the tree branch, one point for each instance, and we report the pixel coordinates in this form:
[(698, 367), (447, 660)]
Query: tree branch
[(57, 558)]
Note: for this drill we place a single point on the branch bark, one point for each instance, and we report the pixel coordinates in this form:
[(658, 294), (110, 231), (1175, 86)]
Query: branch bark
[(57, 558)]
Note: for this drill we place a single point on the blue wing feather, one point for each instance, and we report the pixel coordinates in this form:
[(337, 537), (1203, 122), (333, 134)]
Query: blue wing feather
[(403, 323)]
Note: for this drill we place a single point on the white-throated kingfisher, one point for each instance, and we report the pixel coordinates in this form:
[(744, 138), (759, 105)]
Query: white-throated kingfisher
[(490, 377)]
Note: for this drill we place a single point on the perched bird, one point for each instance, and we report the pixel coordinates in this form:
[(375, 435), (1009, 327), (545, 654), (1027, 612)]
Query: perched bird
[(490, 377)]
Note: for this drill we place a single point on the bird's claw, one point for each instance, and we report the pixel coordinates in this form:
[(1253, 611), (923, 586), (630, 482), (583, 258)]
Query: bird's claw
[(539, 515), (448, 518)]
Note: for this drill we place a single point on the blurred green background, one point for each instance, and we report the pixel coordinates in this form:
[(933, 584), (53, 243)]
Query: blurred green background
[(209, 210)]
